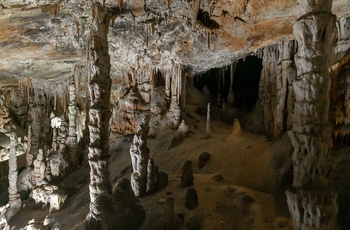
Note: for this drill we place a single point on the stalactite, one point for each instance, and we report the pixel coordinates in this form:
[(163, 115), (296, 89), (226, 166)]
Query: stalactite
[(179, 82), (312, 203), (208, 36), (223, 76), (219, 90), (146, 29), (285, 72), (196, 4), (231, 95)]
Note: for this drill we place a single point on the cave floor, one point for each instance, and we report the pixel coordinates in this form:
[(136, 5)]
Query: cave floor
[(239, 188)]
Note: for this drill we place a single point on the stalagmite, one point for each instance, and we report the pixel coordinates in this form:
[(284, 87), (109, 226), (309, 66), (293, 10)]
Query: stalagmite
[(39, 168), (185, 75), (169, 212), (207, 127), (139, 153), (72, 112), (54, 139), (151, 176), (29, 156), (99, 113), (187, 174), (167, 85), (72, 119), (14, 198), (312, 203)]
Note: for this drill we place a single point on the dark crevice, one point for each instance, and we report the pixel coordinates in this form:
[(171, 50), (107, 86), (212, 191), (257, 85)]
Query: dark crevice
[(203, 16), (239, 19), (245, 84)]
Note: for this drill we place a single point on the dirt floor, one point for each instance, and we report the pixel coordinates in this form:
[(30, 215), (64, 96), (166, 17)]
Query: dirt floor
[(241, 187)]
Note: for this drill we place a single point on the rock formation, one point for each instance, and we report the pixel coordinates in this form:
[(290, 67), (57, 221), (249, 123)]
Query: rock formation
[(39, 168), (191, 198), (99, 113), (29, 155), (187, 174), (4, 113), (50, 195), (203, 159), (276, 93), (72, 122), (207, 126), (15, 202), (182, 131), (103, 65), (313, 204), (39, 114), (151, 177), (139, 153), (169, 212)]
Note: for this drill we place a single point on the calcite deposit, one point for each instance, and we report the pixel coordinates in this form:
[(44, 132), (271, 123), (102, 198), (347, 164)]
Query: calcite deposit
[(94, 93)]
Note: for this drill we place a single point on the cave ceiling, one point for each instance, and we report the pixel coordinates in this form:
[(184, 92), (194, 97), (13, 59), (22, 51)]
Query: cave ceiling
[(44, 39)]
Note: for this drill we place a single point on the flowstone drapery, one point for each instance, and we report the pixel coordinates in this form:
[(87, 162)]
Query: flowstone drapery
[(276, 94), (312, 203)]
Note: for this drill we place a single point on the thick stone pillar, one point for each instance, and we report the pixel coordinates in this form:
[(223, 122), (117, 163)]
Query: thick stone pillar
[(312, 203), (14, 198), (99, 114)]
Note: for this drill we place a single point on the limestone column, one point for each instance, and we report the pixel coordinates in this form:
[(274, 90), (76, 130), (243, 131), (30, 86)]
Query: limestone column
[(34, 112), (99, 113), (285, 72), (72, 121), (72, 112), (167, 86), (14, 198), (312, 203), (184, 75)]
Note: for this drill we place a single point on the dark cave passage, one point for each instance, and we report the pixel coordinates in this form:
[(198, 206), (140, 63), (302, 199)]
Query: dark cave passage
[(216, 83)]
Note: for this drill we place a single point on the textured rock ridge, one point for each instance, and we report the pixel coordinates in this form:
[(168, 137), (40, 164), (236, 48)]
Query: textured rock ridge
[(139, 153), (99, 113), (313, 205)]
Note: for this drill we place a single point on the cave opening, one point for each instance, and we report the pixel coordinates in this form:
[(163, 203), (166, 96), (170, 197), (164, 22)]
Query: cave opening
[(217, 84)]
